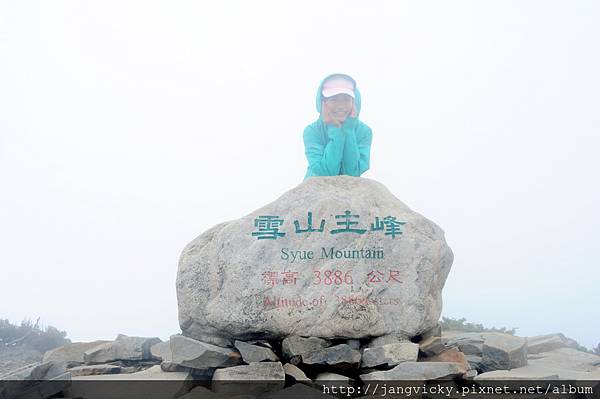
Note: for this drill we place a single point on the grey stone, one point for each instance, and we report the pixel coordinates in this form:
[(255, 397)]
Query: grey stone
[(474, 361), (385, 340), (36, 371), (35, 381), (353, 343), (191, 353), (567, 359), (71, 354), (162, 351), (332, 381), (546, 343), (295, 372), (35, 390), (168, 365), (432, 346), (254, 353), (416, 371), (231, 380), (390, 354), (260, 342), (96, 369), (122, 348), (295, 345), (327, 376), (503, 352), (221, 289), (467, 343), (339, 355), (435, 331), (522, 373), (470, 374), (178, 384)]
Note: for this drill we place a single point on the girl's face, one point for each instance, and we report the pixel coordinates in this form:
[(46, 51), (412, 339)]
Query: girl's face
[(339, 105)]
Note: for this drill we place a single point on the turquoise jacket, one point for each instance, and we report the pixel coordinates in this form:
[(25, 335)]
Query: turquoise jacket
[(333, 150)]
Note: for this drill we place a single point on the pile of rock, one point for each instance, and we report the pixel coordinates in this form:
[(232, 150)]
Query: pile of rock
[(337, 283), (308, 365)]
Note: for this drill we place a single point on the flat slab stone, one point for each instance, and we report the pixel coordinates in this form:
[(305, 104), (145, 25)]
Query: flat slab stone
[(498, 351), (99, 386), (96, 369), (189, 352), (295, 345), (503, 352), (259, 377), (385, 340), (295, 372), (375, 268), (162, 351), (416, 371), (71, 354), (255, 353), (451, 355), (567, 359), (338, 355), (547, 342), (390, 354), (122, 348)]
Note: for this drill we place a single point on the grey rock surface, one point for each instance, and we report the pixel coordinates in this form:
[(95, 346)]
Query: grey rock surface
[(35, 381), (416, 371), (386, 339), (503, 352), (95, 369), (231, 280), (294, 372), (162, 351), (432, 346), (390, 354), (255, 353), (567, 359), (122, 348), (177, 384), (71, 354), (498, 351), (546, 343), (353, 343), (230, 380), (36, 371), (470, 343), (339, 355), (191, 353), (295, 345), (332, 380)]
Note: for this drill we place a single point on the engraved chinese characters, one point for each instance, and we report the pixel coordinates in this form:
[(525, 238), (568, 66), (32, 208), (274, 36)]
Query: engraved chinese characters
[(336, 256)]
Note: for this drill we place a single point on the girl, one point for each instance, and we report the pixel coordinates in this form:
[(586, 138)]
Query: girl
[(337, 143)]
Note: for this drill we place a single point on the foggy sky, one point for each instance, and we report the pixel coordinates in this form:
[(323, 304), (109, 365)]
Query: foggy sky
[(127, 128)]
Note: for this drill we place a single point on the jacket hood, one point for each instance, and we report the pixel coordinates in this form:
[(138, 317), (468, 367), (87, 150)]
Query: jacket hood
[(356, 93)]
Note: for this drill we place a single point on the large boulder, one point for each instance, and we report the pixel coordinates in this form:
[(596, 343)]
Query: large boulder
[(335, 257)]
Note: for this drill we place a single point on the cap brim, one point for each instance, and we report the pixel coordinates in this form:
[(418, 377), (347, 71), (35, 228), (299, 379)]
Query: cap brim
[(333, 91)]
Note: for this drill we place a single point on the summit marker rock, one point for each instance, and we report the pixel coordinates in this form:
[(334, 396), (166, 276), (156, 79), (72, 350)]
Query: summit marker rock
[(334, 257)]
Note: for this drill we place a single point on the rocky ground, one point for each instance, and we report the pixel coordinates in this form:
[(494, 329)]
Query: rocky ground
[(201, 368), (14, 357)]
